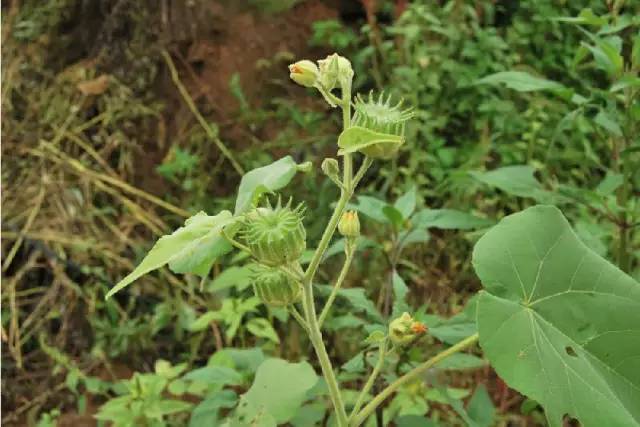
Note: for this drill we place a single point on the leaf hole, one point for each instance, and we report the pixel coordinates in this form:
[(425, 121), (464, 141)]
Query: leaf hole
[(570, 351), (569, 421)]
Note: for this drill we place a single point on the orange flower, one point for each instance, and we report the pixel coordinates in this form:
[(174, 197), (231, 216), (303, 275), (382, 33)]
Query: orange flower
[(418, 327)]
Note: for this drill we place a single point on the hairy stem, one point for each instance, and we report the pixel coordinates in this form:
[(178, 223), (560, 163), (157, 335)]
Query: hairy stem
[(409, 376), (294, 312), (336, 287), (315, 335), (382, 352)]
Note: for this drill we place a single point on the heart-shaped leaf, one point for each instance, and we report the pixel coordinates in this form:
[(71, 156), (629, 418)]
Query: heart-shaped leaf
[(374, 144), (559, 323), (190, 249)]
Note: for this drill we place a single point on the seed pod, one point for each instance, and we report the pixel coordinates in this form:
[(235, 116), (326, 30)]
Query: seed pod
[(349, 225), (274, 287), (384, 122), (405, 329), (304, 72), (276, 236)]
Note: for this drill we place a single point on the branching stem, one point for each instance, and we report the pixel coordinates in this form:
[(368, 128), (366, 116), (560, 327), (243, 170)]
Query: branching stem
[(315, 335), (350, 250), (409, 376), (382, 353)]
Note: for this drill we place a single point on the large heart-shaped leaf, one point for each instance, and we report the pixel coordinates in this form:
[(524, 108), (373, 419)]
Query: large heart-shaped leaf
[(265, 179), (559, 323), (190, 249), (374, 144)]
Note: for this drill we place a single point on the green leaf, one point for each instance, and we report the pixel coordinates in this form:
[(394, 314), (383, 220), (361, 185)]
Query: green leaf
[(557, 322), (520, 81), (373, 144), (160, 408), (279, 389), (244, 360), (232, 277), (400, 292), (442, 394), (393, 215), (606, 56), (626, 81), (516, 180), (203, 322), (371, 207), (406, 203), (608, 122), (262, 328), (264, 180), (480, 407), (461, 361), (374, 338), (192, 248), (357, 297), (311, 414), (206, 413), (448, 219), (610, 183), (586, 17), (214, 375)]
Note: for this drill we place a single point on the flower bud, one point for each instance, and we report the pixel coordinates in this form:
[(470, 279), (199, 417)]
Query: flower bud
[(405, 329), (274, 287), (334, 69), (349, 225), (275, 236), (304, 72), (331, 168)]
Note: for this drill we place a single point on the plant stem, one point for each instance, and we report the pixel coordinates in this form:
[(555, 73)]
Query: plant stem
[(391, 388), (336, 287), (298, 317), (315, 335), (382, 352)]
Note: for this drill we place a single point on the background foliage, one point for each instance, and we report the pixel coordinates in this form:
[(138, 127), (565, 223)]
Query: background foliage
[(104, 151)]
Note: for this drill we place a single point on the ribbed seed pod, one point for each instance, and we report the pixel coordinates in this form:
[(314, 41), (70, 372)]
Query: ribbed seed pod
[(274, 287), (275, 236), (379, 115)]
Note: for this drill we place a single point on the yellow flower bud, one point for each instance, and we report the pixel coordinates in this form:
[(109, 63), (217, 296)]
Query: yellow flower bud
[(349, 225), (405, 329), (304, 72)]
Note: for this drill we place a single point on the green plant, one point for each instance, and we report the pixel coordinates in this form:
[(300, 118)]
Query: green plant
[(611, 104), (575, 314)]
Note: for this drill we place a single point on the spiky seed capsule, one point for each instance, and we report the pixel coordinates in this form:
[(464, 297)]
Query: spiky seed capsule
[(349, 225), (274, 287), (405, 329), (379, 115), (275, 236)]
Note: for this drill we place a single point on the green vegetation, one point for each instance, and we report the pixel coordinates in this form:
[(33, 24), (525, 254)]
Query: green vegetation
[(440, 230)]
